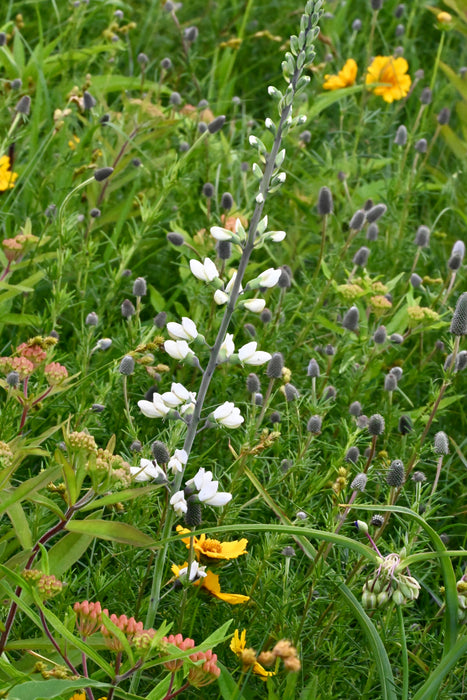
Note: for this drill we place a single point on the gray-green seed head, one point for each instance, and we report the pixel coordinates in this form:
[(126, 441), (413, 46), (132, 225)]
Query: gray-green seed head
[(375, 213), (441, 443), (359, 483), (127, 365), (361, 256), (390, 382), (401, 136), (422, 237), (313, 368), (160, 452), (252, 383), (380, 335), (357, 220), (140, 288), (376, 424), (325, 203), (352, 454), (314, 425), (396, 474), (351, 318), (275, 365), (291, 392), (405, 425), (459, 319), (355, 408)]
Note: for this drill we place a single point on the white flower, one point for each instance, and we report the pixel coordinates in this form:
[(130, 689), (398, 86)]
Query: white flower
[(231, 283), (181, 392), (176, 462), (178, 349), (227, 348), (207, 488), (212, 497), (147, 470), (201, 478), (276, 236), (220, 234), (250, 356), (220, 297), (228, 414), (255, 305), (155, 408), (190, 406), (179, 503), (205, 271), (186, 330), (269, 278), (196, 571)]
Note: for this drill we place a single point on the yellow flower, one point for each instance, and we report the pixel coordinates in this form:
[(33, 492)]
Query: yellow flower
[(237, 645), (82, 696), (393, 73), (213, 549), (7, 178), (73, 141), (211, 583), (444, 17), (345, 77)]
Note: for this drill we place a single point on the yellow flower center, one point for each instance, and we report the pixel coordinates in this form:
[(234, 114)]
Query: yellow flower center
[(212, 546)]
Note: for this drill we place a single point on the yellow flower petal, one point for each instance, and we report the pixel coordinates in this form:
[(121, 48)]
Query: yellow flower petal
[(211, 584), (345, 77), (238, 644), (7, 178), (213, 549)]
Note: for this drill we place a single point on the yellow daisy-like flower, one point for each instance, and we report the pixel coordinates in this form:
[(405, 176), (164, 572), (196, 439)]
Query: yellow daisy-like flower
[(345, 77), (7, 178), (213, 549), (82, 696), (393, 73), (237, 645), (211, 583)]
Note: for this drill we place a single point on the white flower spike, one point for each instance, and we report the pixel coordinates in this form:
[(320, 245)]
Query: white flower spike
[(250, 356), (186, 330), (229, 415)]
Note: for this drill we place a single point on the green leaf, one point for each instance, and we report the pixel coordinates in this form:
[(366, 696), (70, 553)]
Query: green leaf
[(111, 530), (8, 497), (227, 686), (329, 98), (19, 521), (120, 497), (43, 690), (429, 689), (379, 655), (160, 691), (66, 552)]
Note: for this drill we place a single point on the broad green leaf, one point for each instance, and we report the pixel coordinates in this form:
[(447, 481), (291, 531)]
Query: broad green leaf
[(160, 691), (19, 521), (111, 530), (10, 496), (329, 98), (43, 690)]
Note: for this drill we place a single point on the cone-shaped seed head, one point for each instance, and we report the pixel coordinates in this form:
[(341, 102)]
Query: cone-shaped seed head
[(291, 392), (314, 425), (376, 424), (127, 365), (275, 365), (175, 238), (390, 382), (325, 203), (355, 408), (160, 452), (357, 220), (372, 232), (441, 445), (396, 474), (422, 237), (193, 516), (313, 368), (401, 136), (459, 319), (252, 383), (376, 213), (352, 455), (380, 335), (361, 256), (351, 318), (359, 483), (444, 116), (102, 174)]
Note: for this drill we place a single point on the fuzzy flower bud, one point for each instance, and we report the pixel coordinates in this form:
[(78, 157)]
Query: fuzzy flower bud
[(357, 220), (361, 256), (375, 213), (351, 318), (401, 136), (359, 483), (275, 365), (441, 443), (314, 425)]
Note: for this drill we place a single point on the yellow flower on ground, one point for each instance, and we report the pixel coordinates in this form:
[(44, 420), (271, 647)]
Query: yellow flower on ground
[(213, 549), (7, 178), (345, 77), (393, 73), (237, 645), (444, 17), (210, 582)]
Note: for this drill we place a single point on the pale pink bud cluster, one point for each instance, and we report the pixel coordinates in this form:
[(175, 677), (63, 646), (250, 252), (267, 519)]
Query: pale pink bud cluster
[(88, 617), (183, 644), (34, 353), (22, 365), (49, 586), (127, 625), (207, 672), (55, 373)]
